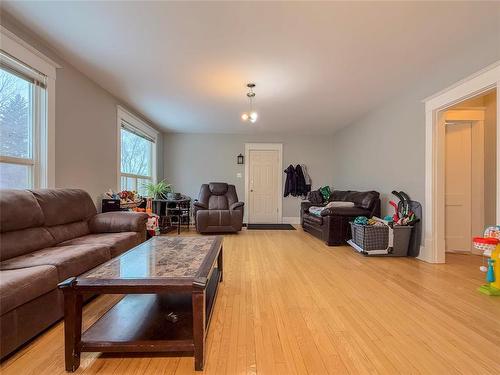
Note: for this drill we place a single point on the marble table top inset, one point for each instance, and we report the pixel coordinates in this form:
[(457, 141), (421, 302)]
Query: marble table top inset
[(168, 257)]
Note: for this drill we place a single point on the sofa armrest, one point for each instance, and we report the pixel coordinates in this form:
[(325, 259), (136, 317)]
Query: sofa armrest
[(304, 207), (118, 221), (200, 206), (345, 211), (236, 205)]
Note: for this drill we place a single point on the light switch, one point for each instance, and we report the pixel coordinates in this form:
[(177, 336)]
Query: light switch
[(238, 175)]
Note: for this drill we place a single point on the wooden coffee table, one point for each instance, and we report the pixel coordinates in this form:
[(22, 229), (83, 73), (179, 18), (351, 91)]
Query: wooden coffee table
[(170, 284)]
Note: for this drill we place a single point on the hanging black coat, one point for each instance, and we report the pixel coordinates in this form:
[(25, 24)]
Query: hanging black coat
[(301, 188), (291, 182)]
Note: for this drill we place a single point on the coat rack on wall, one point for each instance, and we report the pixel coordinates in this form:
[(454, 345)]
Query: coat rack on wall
[(298, 182)]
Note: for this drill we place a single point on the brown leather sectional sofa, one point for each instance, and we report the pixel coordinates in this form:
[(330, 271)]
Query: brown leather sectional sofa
[(217, 209), (47, 236), (333, 224)]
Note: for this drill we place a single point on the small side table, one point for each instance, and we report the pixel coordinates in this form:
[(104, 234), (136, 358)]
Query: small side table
[(173, 208)]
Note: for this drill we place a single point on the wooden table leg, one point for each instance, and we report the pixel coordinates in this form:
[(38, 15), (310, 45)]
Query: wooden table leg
[(220, 264), (72, 329), (198, 298)]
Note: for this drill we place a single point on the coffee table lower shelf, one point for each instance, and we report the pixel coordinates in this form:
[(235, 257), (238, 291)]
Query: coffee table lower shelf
[(139, 323)]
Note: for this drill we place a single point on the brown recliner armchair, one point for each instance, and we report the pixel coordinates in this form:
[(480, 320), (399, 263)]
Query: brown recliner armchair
[(217, 209)]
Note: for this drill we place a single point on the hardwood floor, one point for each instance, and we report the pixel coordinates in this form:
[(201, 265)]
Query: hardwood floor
[(291, 305)]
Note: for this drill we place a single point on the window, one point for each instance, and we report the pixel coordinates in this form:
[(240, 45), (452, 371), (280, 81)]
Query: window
[(27, 108), (137, 152), (22, 99)]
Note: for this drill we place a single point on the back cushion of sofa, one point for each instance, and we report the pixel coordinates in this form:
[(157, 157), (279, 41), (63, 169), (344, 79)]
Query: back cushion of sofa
[(339, 195), (24, 241), (69, 231), (363, 199), (19, 210), (64, 206), (21, 221)]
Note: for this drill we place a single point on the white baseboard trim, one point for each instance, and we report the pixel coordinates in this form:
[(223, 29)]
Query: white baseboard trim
[(291, 220)]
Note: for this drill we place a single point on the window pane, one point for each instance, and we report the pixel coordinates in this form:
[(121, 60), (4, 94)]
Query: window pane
[(135, 154), (141, 189), (15, 116), (15, 176), (128, 183)]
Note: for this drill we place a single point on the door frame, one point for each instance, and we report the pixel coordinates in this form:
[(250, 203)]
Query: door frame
[(485, 80), (264, 147)]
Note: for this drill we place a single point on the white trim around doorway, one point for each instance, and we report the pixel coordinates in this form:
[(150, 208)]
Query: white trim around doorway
[(487, 79), (264, 146)]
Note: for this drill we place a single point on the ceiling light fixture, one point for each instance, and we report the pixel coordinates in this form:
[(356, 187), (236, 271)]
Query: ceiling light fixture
[(251, 115)]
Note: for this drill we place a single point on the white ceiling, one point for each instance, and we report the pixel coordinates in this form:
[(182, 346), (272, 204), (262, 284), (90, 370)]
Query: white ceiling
[(317, 66)]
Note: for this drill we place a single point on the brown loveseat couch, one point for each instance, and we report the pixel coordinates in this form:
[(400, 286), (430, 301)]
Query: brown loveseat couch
[(333, 224), (47, 236)]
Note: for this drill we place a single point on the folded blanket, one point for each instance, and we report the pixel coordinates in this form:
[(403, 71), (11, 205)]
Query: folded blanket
[(339, 204), (315, 210)]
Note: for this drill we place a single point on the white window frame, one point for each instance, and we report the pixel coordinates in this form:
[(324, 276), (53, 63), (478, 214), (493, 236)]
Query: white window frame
[(123, 115), (43, 158)]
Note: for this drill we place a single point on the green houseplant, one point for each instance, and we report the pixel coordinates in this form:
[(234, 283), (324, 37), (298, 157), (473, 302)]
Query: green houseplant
[(158, 190)]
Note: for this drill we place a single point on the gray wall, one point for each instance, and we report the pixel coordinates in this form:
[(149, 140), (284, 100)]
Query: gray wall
[(85, 126), (385, 150), (193, 159)]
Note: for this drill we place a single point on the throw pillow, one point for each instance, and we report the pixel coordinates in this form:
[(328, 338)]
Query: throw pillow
[(315, 197), (325, 192)]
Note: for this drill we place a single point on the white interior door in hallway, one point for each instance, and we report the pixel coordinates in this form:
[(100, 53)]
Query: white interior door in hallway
[(458, 186), (464, 184), (264, 170)]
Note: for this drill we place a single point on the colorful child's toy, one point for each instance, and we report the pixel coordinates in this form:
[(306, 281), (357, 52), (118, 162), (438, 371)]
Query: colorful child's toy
[(395, 217), (490, 245)]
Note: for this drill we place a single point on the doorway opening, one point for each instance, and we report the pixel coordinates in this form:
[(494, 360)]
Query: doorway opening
[(483, 81), (470, 158)]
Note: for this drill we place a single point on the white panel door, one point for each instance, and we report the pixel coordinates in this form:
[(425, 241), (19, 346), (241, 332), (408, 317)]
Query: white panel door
[(263, 186), (458, 171)]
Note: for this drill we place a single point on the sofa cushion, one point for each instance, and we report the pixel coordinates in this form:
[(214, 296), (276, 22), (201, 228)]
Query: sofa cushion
[(69, 260), (19, 210), (345, 211), (22, 285), (362, 199), (118, 243), (62, 206), (218, 202), (69, 231), (24, 241)]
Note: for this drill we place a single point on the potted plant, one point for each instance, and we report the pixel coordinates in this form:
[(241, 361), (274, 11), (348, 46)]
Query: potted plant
[(158, 190)]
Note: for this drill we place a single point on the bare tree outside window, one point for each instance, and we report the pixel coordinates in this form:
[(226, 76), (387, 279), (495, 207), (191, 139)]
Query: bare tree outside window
[(136, 161), (16, 128)]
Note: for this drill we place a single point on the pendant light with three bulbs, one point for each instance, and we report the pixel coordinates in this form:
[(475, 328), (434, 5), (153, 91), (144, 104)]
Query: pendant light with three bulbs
[(251, 115)]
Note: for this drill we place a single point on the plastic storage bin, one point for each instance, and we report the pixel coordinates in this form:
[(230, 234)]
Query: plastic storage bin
[(401, 241)]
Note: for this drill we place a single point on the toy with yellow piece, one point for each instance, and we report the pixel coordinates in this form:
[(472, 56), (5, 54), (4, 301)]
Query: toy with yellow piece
[(490, 245)]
